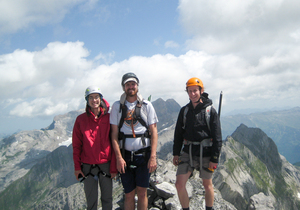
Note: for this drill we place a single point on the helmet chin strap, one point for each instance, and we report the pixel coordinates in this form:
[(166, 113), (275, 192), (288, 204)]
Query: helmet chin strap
[(200, 96)]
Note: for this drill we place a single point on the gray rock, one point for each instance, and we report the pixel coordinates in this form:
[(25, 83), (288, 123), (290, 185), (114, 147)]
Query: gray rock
[(262, 202), (165, 190)]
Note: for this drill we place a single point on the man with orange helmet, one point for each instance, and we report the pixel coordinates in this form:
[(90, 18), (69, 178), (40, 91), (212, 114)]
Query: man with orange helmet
[(201, 140)]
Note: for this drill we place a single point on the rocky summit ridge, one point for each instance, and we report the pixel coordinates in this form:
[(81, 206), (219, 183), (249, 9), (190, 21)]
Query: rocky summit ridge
[(38, 172), (251, 168)]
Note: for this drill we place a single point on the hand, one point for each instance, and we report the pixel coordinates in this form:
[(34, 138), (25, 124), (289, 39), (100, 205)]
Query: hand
[(77, 172), (176, 160), (113, 175), (121, 165), (152, 164)]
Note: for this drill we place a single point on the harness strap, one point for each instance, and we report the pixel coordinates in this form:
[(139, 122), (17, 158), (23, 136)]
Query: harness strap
[(92, 166), (203, 143), (135, 115), (142, 152)]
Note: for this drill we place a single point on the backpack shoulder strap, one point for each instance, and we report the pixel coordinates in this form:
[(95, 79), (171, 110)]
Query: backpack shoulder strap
[(104, 107), (186, 109), (123, 110), (137, 114), (207, 115)]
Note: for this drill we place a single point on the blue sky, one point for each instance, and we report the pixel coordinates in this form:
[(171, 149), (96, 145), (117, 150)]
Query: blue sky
[(50, 51)]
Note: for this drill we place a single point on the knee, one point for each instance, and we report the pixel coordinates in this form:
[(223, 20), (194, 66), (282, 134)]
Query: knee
[(207, 186), (179, 185), (141, 192), (130, 195)]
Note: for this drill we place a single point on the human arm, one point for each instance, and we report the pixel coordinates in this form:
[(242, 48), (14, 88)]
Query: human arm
[(121, 164), (77, 138), (178, 134), (216, 135), (113, 164), (152, 164)]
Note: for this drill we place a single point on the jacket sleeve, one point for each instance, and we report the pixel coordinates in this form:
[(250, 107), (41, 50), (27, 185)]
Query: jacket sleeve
[(216, 135), (77, 145), (178, 134), (113, 162)]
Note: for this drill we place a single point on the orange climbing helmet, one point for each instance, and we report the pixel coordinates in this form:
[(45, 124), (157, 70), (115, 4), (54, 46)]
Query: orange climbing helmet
[(194, 81)]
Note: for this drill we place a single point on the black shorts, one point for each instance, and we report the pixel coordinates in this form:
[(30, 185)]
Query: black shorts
[(136, 173)]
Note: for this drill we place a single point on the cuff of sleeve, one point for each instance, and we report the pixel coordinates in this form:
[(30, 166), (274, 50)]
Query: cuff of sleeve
[(77, 168), (214, 159)]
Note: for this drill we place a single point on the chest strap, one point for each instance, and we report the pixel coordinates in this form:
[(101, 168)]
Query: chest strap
[(203, 143)]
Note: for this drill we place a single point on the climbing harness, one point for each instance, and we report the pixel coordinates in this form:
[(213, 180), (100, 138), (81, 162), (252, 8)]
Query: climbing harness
[(95, 176)]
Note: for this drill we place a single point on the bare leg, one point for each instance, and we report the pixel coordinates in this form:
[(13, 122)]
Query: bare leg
[(129, 200), (209, 192), (180, 185), (142, 198)]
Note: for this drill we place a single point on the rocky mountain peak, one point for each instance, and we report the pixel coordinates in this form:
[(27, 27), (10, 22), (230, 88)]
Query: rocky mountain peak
[(260, 145)]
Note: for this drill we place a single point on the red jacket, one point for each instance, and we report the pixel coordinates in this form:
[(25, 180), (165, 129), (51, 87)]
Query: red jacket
[(91, 140)]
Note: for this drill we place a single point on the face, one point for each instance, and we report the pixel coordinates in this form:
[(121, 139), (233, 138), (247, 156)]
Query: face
[(194, 93), (94, 100), (131, 88)]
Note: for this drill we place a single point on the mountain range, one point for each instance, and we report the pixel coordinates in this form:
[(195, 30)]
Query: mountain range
[(282, 126), (37, 168)]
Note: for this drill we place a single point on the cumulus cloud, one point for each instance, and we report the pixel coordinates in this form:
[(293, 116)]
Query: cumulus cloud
[(43, 80), (54, 79), (171, 44), (20, 14), (247, 49), (248, 28)]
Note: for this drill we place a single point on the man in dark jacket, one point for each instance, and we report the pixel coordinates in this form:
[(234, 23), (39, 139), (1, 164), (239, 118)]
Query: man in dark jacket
[(202, 142)]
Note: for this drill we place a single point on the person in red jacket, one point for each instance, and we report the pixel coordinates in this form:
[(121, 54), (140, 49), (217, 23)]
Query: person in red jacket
[(93, 156)]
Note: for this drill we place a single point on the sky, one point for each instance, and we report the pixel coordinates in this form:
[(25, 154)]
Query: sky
[(51, 51)]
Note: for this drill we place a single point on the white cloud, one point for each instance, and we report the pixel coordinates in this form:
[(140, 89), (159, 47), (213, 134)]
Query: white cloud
[(295, 35), (105, 58), (55, 78), (248, 28), (20, 14), (55, 71), (247, 49), (171, 44)]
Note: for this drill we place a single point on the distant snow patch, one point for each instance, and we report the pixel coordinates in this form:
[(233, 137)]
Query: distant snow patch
[(298, 195), (66, 143)]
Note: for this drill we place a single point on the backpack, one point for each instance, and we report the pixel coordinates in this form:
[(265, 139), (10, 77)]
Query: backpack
[(207, 115), (136, 115), (205, 142)]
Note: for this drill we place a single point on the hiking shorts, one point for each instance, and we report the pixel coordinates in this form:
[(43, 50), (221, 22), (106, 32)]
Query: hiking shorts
[(136, 173), (184, 166)]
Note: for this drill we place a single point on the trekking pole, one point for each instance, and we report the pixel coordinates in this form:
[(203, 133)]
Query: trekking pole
[(220, 104)]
